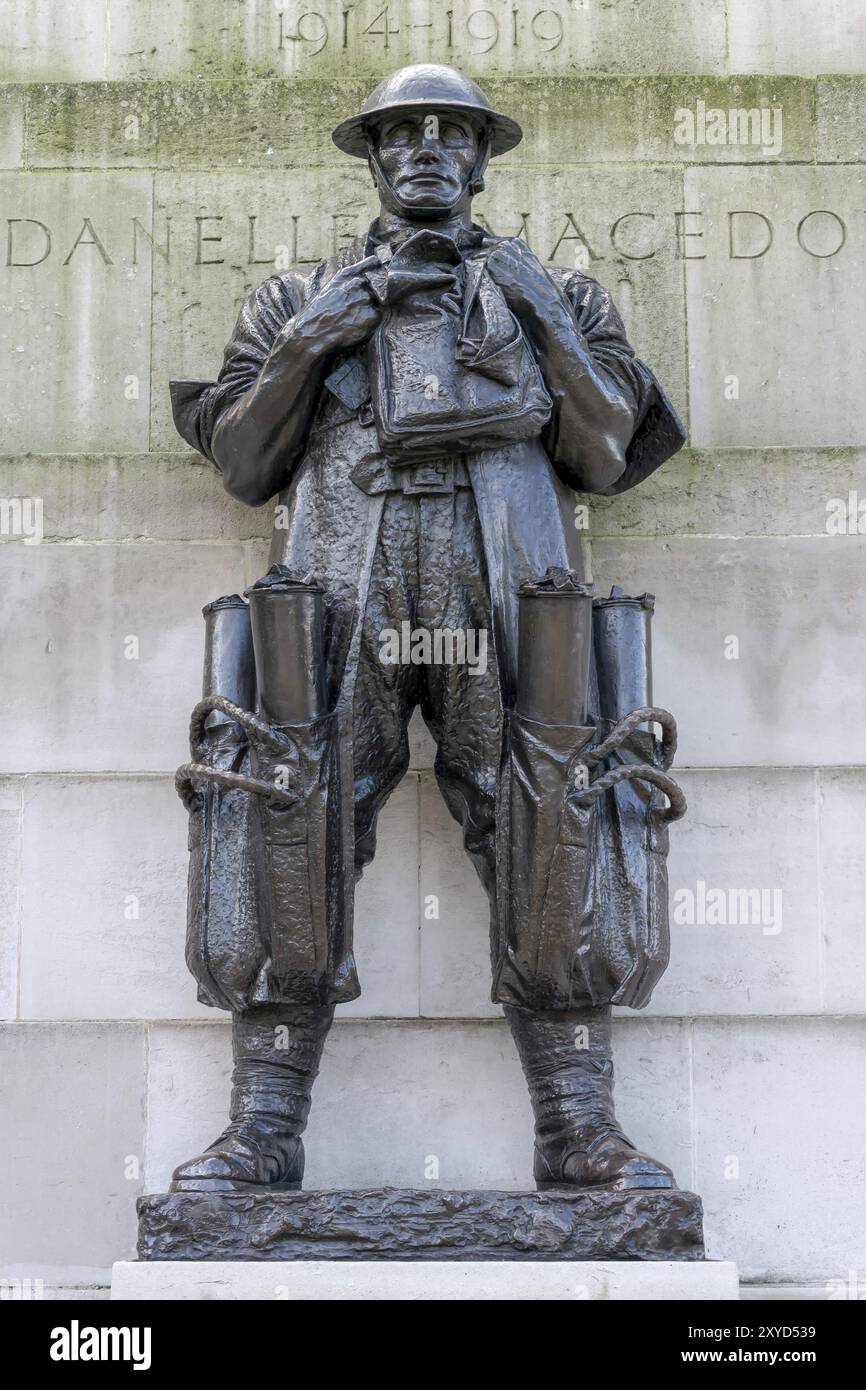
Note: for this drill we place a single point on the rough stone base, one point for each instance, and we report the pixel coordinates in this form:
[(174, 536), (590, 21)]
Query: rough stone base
[(413, 1280), (404, 1224)]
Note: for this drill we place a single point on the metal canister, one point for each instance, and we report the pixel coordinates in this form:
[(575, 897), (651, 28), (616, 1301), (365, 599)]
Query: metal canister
[(554, 651), (229, 668), (289, 643), (622, 634)]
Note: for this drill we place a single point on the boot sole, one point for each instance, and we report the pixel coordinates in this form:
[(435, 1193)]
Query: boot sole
[(619, 1185), (230, 1185)]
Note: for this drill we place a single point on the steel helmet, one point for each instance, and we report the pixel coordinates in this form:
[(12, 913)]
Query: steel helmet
[(424, 86)]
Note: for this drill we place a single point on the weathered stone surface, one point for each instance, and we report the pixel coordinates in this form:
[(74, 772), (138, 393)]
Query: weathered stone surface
[(775, 349), (735, 492), (607, 120), (792, 604), (422, 748), (74, 1182), (839, 119), (276, 123), (401, 1223), (455, 951), (415, 1103), (10, 888), (779, 1127), (11, 126), (166, 125), (842, 815), (412, 1280), (75, 313), (104, 863), (226, 38), (153, 497), (44, 41), (74, 616), (796, 36), (744, 899), (386, 914)]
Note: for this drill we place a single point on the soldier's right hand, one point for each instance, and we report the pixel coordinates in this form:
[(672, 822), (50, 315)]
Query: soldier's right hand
[(343, 314)]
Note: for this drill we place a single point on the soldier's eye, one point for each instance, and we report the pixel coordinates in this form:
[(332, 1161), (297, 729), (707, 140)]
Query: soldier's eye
[(399, 134), (453, 135)]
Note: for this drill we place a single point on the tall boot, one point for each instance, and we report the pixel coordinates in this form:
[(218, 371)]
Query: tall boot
[(277, 1050), (578, 1142)]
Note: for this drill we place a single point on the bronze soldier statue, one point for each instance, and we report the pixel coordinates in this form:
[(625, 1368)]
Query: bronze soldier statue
[(423, 403)]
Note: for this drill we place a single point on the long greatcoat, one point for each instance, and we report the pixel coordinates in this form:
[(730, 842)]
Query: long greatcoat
[(334, 483)]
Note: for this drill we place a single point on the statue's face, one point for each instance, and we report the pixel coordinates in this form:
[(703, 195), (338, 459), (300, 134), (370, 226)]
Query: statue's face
[(428, 157)]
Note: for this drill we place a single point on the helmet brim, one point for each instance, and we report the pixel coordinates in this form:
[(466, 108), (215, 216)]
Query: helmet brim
[(350, 135)]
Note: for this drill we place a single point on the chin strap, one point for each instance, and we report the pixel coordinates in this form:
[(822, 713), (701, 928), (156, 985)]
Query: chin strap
[(474, 185)]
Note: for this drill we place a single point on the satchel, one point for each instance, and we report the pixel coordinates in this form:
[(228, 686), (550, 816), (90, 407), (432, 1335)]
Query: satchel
[(450, 368)]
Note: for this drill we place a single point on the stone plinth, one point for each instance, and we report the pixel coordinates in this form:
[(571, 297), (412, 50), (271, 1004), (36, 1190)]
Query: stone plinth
[(405, 1224), (416, 1280)]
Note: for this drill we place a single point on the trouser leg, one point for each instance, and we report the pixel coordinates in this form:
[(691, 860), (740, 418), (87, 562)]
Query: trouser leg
[(277, 1050), (566, 1059), (385, 692), (461, 701)]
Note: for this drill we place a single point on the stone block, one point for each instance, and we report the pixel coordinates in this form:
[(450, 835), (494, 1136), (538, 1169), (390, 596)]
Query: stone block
[(279, 123), (45, 42), (839, 105), (672, 120), (414, 1104), (769, 366), (75, 613), (73, 1107), (10, 890), (172, 37), (104, 911), (796, 36), (779, 1127), (744, 896), (152, 497), (171, 125), (455, 949), (735, 492), (791, 604), (75, 312), (386, 914), (842, 808), (11, 126), (422, 746), (411, 1281)]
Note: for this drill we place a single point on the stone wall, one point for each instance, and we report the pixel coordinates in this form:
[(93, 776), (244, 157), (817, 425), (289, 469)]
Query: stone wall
[(158, 157)]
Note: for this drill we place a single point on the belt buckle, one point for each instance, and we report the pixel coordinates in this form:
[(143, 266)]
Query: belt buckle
[(433, 478)]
